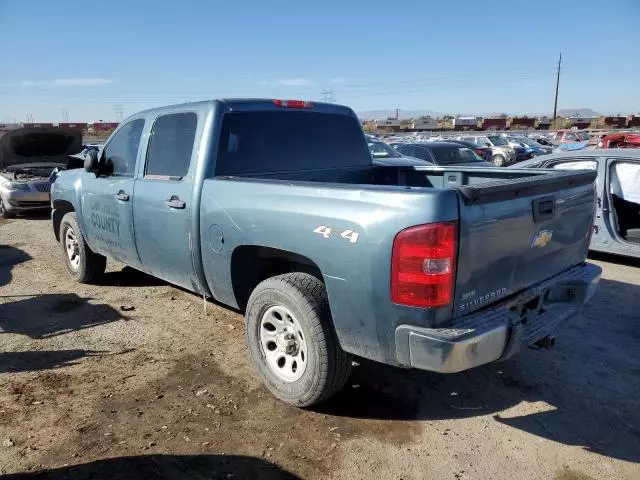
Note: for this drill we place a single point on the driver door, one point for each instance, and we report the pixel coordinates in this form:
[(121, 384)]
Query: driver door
[(107, 199)]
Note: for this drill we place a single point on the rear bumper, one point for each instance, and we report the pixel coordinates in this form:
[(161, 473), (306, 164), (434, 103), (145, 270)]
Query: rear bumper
[(498, 332)]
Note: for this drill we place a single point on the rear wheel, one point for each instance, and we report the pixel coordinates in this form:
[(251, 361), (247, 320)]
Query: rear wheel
[(83, 264), (292, 342), (499, 160)]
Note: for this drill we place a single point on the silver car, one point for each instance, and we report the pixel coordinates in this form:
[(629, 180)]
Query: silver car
[(25, 187), (501, 152)]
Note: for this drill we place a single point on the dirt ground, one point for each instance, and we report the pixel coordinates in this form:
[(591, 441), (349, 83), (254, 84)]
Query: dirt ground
[(132, 379)]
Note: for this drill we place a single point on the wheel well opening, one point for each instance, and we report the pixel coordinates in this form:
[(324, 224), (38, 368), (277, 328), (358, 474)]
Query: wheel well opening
[(250, 265), (60, 209)]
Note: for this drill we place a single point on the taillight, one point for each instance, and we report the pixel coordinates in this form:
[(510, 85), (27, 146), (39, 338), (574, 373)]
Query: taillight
[(292, 104), (423, 265)]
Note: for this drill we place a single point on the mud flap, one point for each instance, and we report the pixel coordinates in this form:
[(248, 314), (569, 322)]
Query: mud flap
[(513, 343)]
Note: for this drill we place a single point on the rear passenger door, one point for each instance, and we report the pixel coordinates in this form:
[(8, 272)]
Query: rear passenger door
[(162, 205)]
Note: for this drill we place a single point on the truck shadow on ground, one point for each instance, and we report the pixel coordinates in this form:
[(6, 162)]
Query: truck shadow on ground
[(37, 360), (129, 277), (49, 315), (178, 467), (10, 256), (589, 384)]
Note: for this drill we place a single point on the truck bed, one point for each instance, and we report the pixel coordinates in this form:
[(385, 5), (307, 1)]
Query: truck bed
[(475, 184)]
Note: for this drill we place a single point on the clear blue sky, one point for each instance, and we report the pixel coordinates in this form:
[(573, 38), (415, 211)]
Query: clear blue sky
[(456, 57)]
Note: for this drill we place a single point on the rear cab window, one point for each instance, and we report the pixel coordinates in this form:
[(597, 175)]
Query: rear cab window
[(289, 140), (171, 146)]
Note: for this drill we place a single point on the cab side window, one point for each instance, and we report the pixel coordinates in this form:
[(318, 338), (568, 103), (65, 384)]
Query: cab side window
[(171, 145), (121, 152)]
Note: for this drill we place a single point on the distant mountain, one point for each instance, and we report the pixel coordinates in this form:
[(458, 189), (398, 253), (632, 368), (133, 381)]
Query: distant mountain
[(577, 112), (402, 114)]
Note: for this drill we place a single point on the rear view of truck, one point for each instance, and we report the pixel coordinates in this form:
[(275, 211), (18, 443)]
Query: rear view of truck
[(512, 269), (333, 257)]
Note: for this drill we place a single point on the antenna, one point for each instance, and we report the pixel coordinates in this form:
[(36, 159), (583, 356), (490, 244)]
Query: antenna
[(555, 103)]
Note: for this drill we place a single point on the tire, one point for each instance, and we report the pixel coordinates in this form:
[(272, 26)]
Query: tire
[(499, 160), (301, 299), (4, 213), (85, 266)]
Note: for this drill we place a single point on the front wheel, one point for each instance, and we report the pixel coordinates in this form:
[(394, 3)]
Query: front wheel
[(499, 160), (83, 264), (292, 342)]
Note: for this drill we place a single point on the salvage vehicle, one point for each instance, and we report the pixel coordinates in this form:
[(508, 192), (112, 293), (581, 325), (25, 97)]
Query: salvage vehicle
[(25, 187), (274, 207), (384, 154), (532, 148), (443, 153), (28, 156), (483, 152), (570, 140), (620, 140), (503, 153), (617, 223)]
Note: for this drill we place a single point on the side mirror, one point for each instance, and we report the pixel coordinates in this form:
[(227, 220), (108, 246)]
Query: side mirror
[(91, 161)]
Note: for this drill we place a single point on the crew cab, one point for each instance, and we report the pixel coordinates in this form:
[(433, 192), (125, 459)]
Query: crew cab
[(275, 207)]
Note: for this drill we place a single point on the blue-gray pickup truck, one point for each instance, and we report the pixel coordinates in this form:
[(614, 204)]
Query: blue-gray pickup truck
[(274, 207)]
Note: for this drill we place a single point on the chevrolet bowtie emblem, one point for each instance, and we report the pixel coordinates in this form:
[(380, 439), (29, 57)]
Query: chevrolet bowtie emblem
[(542, 239)]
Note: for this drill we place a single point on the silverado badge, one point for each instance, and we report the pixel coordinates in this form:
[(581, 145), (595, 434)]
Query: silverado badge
[(541, 239)]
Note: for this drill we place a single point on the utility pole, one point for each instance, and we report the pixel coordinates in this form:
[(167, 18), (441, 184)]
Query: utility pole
[(397, 113), (65, 115), (555, 103)]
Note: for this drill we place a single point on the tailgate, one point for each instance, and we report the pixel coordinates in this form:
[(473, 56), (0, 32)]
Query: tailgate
[(515, 233)]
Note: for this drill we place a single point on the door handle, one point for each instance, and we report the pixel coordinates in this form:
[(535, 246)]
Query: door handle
[(122, 196), (175, 202)]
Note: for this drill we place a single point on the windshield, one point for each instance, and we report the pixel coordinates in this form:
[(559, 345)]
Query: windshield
[(498, 140), (382, 150), (277, 141), (450, 155)]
